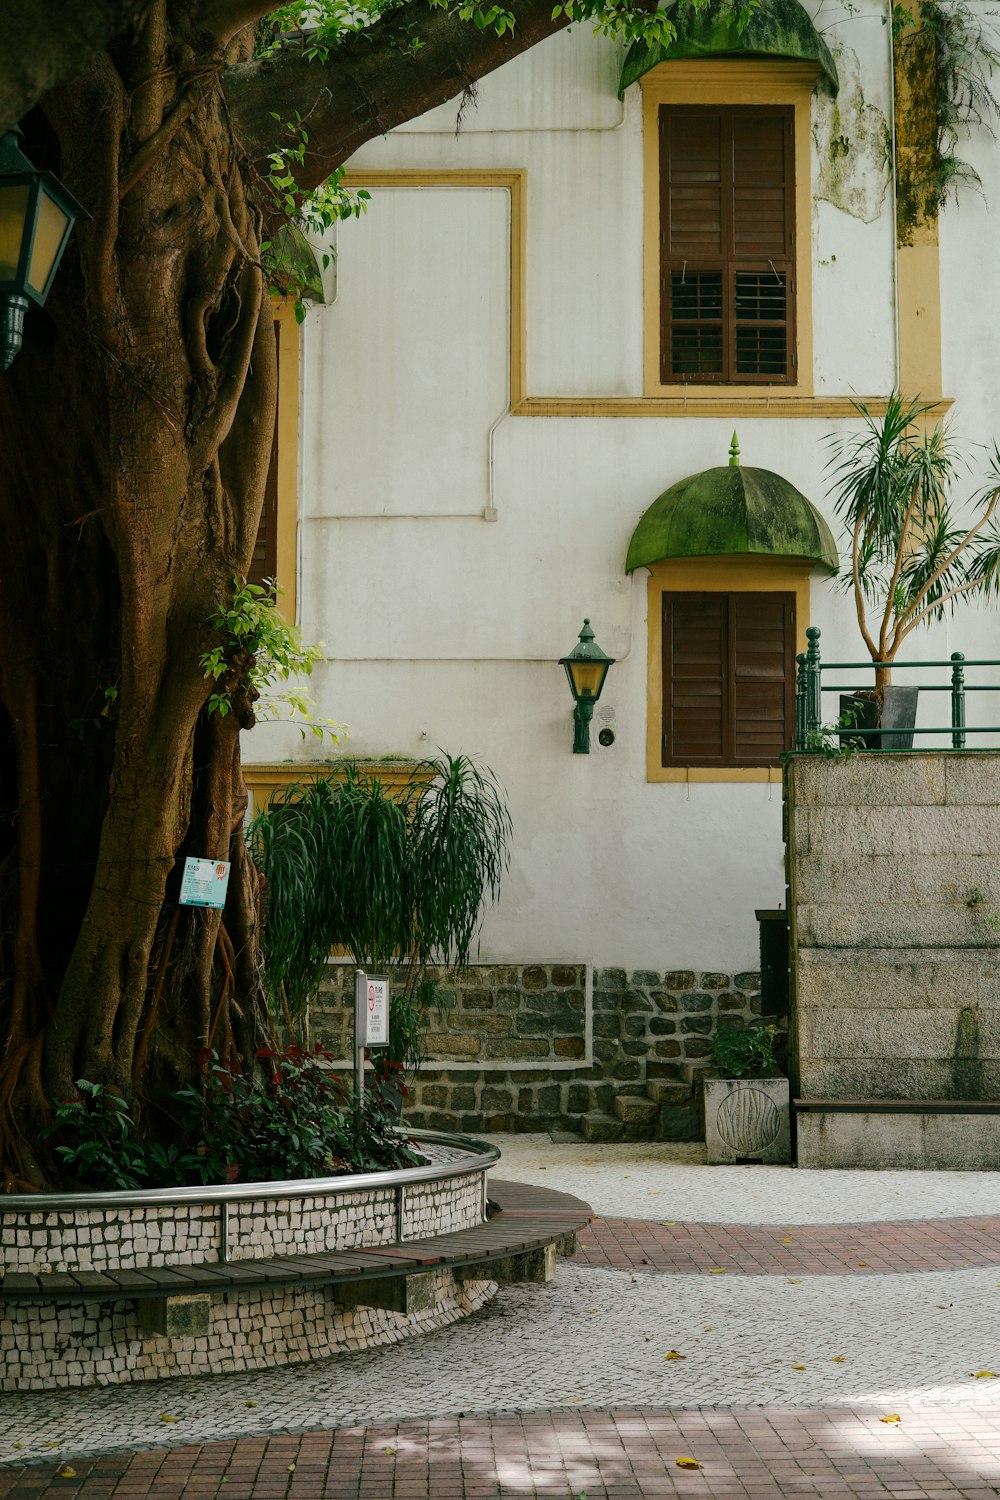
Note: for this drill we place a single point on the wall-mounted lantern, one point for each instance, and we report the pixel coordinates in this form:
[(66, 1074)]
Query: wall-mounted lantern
[(36, 217), (586, 668)]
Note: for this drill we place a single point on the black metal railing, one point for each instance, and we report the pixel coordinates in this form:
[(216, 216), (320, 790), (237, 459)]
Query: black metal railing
[(810, 731)]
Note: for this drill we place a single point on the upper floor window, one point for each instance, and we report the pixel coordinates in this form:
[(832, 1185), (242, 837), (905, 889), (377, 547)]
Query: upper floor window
[(727, 245)]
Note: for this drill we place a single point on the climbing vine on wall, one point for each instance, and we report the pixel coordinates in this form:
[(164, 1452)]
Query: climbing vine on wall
[(946, 56)]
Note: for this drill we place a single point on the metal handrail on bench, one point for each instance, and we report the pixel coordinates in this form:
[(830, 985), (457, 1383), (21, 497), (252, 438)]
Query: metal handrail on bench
[(483, 1154)]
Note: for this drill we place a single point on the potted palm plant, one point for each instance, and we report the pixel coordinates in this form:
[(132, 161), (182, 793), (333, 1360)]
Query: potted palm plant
[(746, 1101), (911, 559)]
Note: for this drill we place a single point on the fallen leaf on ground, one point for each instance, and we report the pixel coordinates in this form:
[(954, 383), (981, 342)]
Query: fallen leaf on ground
[(985, 1374), (68, 1472), (718, 1271), (798, 1367), (388, 1450), (674, 1355), (166, 1417), (794, 1280), (672, 1224), (291, 1468), (53, 1445), (687, 1463), (894, 1417), (787, 1240), (863, 1264), (249, 1403), (708, 1329), (839, 1359)]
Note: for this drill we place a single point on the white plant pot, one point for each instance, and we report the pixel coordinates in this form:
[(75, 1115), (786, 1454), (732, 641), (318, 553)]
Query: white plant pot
[(747, 1119)]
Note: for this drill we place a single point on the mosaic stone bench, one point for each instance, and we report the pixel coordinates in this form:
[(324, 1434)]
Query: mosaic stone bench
[(103, 1306)]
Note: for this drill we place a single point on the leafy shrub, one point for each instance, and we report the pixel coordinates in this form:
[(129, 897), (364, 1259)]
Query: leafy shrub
[(740, 1052), (292, 1118), (103, 1153)]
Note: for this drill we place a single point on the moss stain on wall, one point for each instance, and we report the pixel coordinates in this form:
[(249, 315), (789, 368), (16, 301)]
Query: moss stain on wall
[(918, 193), (849, 136)]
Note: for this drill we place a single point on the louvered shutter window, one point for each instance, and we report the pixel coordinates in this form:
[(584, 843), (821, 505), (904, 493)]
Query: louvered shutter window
[(728, 675), (727, 242), (264, 563)]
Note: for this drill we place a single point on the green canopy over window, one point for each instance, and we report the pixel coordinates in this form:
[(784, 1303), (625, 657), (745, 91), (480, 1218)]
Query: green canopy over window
[(777, 28), (732, 511)]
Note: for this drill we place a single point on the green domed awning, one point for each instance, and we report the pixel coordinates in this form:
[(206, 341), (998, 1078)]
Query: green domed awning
[(732, 511), (778, 28)]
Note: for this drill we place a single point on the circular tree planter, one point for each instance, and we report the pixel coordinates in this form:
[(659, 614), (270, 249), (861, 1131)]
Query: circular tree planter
[(78, 1331)]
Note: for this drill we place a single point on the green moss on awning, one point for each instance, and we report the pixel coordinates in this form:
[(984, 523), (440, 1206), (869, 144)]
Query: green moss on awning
[(730, 512), (776, 28)]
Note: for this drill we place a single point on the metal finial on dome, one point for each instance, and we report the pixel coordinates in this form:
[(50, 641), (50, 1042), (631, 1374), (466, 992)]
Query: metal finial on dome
[(734, 452)]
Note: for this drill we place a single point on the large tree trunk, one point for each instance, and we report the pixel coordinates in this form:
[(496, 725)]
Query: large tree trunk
[(137, 425)]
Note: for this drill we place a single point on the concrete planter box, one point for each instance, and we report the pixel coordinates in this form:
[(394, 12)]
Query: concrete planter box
[(747, 1119)]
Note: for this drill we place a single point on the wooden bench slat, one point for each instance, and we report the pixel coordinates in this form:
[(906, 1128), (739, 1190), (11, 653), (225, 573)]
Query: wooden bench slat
[(20, 1281)]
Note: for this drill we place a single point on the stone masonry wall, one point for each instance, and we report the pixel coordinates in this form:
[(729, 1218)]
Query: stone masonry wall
[(894, 904), (539, 1047)]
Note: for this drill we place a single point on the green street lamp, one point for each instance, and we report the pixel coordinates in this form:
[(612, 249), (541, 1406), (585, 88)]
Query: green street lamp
[(586, 668), (36, 217)]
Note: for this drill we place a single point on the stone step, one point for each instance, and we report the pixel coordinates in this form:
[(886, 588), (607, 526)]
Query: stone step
[(668, 1091), (679, 1122), (635, 1111), (597, 1127)]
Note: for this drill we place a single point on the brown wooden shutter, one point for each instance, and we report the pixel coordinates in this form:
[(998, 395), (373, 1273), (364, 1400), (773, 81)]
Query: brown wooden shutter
[(762, 635), (695, 680), (727, 244), (728, 676), (264, 563)]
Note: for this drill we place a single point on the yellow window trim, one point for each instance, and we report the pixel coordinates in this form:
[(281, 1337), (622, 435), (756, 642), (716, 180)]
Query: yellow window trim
[(659, 401), (729, 575), (514, 183), (272, 778), (283, 310), (728, 82)]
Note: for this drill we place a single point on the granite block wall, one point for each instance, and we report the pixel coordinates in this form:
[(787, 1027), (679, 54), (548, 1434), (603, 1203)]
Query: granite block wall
[(894, 896)]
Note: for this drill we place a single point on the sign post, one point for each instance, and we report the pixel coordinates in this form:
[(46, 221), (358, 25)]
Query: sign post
[(371, 1025), (360, 1028)]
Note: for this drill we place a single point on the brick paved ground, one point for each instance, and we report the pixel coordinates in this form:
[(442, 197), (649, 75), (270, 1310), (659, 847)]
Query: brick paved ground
[(925, 1336), (811, 1249), (835, 1454)]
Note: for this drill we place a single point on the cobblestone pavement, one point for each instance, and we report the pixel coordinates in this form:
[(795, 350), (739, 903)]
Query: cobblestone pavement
[(770, 1363)]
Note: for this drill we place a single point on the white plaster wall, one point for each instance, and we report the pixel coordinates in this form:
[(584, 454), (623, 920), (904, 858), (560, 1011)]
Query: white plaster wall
[(442, 628), (408, 369)]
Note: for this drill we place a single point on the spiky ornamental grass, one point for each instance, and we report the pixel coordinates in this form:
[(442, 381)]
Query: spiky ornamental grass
[(400, 881)]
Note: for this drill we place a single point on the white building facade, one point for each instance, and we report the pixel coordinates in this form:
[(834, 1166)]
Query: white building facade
[(508, 371)]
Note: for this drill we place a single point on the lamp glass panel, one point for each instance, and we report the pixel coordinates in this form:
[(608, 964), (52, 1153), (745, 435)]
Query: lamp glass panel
[(13, 208), (53, 222), (588, 677)]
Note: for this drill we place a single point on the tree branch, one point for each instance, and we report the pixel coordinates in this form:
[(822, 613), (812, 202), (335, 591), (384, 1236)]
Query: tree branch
[(224, 18), (941, 571), (45, 46), (375, 81)]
